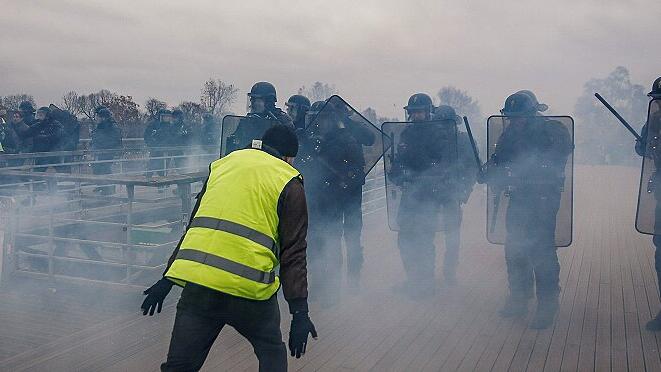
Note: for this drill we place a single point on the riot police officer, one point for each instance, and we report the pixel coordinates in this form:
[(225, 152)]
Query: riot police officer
[(27, 112), (71, 134), (297, 108), (655, 93), (156, 137), (434, 181), (262, 98), (45, 135), (528, 167), (180, 135), (9, 142), (463, 178), (210, 131), (334, 167), (261, 116), (105, 136)]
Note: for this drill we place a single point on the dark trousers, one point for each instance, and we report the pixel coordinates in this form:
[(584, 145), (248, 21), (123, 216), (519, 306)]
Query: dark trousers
[(201, 315), (530, 252), (452, 215), (324, 256), (418, 223), (351, 209)]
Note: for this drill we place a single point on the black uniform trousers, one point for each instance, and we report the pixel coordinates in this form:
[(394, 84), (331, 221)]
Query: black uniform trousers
[(657, 238), (530, 252), (418, 223), (201, 315)]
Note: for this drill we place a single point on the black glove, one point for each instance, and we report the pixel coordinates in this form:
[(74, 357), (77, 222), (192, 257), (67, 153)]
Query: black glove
[(155, 296), (301, 326)]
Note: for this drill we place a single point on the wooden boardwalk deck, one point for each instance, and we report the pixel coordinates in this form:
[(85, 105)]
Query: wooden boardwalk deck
[(609, 292)]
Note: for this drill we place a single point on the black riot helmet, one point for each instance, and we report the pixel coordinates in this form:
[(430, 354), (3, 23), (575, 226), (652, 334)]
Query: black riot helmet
[(26, 107), (43, 113), (656, 89), (297, 107), (299, 101), (420, 102), (540, 107), (519, 104), (445, 113), (263, 90)]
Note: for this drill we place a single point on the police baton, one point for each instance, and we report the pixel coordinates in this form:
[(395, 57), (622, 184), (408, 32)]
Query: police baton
[(618, 116), (476, 154)]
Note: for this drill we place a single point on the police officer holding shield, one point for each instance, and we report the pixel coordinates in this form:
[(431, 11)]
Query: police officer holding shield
[(526, 172), (652, 186)]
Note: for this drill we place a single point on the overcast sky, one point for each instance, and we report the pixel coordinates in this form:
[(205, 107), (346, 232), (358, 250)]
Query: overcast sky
[(376, 52)]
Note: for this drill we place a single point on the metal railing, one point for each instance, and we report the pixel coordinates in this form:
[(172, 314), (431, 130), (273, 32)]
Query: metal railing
[(61, 225)]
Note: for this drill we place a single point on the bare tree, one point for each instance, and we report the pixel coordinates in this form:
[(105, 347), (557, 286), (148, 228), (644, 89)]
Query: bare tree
[(318, 91), (153, 106), (193, 111), (216, 96), (71, 102), (12, 101), (374, 118), (601, 138), (458, 99), (87, 105), (464, 105)]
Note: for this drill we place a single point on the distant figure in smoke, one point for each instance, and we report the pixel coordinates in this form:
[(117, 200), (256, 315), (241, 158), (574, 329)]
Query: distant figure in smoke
[(156, 137), (105, 136), (250, 217), (529, 165), (655, 123), (9, 141), (26, 112), (210, 131), (71, 134), (333, 165), (45, 135), (297, 108), (434, 169), (181, 135)]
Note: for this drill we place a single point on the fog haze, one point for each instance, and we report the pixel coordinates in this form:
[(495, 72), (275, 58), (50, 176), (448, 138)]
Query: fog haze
[(376, 53)]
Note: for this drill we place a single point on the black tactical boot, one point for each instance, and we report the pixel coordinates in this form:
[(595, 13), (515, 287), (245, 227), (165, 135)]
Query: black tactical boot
[(545, 313), (515, 307), (654, 325)]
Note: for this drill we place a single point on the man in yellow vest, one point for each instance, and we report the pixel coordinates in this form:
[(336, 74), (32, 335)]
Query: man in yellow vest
[(250, 217)]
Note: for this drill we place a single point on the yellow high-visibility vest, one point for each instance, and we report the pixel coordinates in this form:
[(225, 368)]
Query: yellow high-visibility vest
[(232, 243)]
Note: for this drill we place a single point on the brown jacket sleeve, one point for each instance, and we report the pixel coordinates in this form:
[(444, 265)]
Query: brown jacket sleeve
[(293, 229)]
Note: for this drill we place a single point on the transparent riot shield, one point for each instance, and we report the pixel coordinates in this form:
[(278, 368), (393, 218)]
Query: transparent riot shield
[(648, 214), (420, 165), (239, 131), (530, 179), (339, 147)]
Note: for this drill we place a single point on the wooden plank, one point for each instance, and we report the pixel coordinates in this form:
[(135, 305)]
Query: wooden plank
[(561, 329)]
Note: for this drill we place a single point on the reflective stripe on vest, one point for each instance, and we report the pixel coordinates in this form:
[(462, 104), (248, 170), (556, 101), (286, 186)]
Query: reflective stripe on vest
[(226, 265), (236, 229)]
